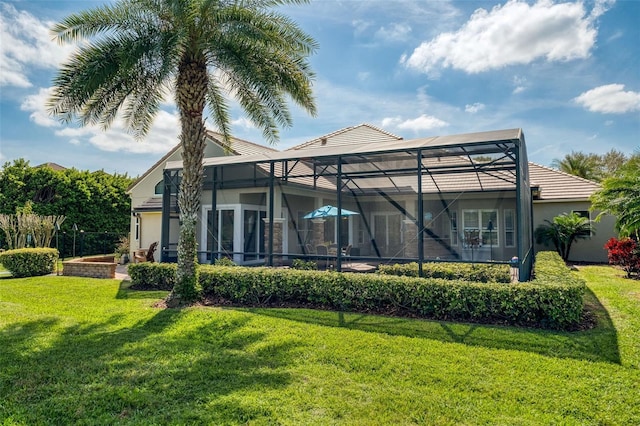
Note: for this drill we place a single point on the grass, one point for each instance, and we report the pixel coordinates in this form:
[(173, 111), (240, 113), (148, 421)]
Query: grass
[(90, 351)]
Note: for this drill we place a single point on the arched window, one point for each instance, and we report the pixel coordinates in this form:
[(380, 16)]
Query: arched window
[(159, 188)]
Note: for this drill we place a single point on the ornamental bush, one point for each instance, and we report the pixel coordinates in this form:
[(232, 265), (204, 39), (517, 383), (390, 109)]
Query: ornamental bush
[(478, 272), (152, 275), (29, 262), (308, 265), (624, 253), (552, 300)]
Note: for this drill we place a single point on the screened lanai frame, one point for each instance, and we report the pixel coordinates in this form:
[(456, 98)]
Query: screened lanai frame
[(419, 183)]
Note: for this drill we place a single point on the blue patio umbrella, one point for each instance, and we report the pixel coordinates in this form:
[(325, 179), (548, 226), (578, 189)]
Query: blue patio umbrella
[(328, 211)]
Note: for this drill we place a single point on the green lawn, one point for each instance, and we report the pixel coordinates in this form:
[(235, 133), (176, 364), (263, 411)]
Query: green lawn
[(89, 351)]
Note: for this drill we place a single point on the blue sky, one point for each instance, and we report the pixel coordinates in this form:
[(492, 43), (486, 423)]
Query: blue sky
[(567, 73)]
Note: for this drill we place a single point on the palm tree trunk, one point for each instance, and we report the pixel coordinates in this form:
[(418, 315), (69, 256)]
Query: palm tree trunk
[(190, 98)]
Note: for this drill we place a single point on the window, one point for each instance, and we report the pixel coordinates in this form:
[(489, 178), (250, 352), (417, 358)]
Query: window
[(509, 228), (587, 215), (159, 190), (304, 227), (481, 227), (137, 227), (453, 216)]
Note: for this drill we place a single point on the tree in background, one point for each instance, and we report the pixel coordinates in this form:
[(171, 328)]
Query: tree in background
[(95, 201), (563, 231), (132, 51), (591, 166), (620, 196), (586, 166), (612, 161)]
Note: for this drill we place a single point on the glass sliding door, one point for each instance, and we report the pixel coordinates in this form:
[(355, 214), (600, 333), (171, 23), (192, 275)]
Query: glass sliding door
[(234, 231), (222, 244), (387, 229)]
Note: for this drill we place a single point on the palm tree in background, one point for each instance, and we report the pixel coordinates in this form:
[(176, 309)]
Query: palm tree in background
[(563, 231), (620, 196), (587, 166), (133, 52)]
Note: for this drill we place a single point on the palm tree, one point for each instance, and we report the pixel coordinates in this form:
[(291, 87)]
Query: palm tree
[(133, 51), (563, 231), (587, 166), (620, 196)]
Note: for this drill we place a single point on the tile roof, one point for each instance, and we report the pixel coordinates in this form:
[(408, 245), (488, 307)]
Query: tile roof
[(319, 140), (54, 166), (556, 185), (449, 144), (238, 147)]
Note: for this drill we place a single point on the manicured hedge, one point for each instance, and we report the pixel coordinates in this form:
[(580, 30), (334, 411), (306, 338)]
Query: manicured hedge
[(29, 262), (479, 272), (561, 292), (553, 300), (151, 275)]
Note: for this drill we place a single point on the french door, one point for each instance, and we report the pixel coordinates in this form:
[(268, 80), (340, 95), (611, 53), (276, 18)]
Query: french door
[(387, 229), (234, 231)]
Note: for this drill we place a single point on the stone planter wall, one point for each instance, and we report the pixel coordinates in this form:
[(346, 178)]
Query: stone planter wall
[(93, 267)]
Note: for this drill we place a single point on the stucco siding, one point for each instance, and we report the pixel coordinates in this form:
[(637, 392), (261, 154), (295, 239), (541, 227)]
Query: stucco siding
[(150, 225), (589, 250)]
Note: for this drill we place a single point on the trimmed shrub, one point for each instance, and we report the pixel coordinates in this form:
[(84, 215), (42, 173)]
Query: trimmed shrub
[(224, 261), (552, 300), (478, 272), (560, 292), (151, 275), (309, 265), (29, 262)]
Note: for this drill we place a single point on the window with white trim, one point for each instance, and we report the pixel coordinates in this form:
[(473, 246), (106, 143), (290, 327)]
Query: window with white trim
[(509, 228), (304, 227), (453, 216), (481, 227)]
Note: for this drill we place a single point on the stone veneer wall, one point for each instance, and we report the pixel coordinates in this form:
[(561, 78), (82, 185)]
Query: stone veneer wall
[(410, 239), (93, 267), (278, 224), (317, 233)]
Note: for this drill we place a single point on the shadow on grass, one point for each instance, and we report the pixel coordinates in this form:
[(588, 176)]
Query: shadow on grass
[(176, 367), (596, 344), (126, 292)]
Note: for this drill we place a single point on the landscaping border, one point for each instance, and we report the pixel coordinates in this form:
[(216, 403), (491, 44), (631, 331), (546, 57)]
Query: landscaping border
[(553, 300)]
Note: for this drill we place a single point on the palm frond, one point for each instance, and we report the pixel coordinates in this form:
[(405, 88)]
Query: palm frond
[(219, 111)]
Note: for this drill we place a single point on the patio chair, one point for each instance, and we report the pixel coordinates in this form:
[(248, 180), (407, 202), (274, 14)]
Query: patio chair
[(346, 254), (145, 255), (323, 255), (309, 249)]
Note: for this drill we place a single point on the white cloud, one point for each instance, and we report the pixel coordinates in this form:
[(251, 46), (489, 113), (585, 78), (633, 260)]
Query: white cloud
[(26, 42), (474, 108), (514, 33), (520, 84), (36, 104), (600, 7), (360, 25), (162, 136), (610, 99), (243, 122), (394, 32), (424, 122)]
